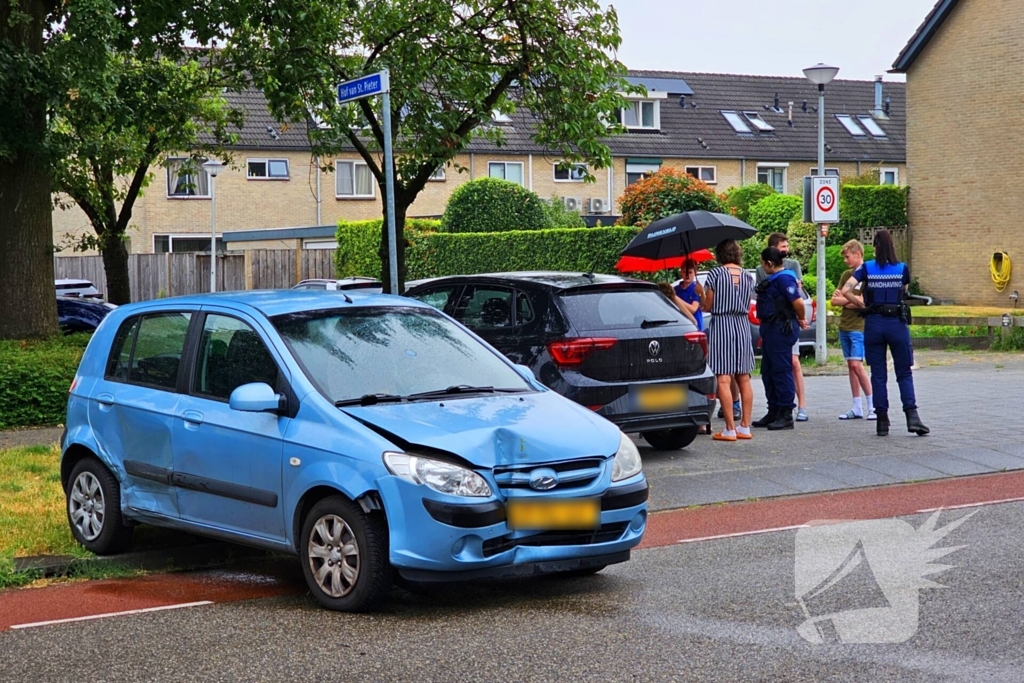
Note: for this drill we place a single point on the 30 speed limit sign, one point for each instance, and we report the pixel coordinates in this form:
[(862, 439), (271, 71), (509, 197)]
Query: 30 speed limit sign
[(824, 199)]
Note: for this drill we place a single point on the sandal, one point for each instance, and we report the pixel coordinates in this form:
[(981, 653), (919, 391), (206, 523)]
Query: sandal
[(850, 415), (742, 436), (721, 436)]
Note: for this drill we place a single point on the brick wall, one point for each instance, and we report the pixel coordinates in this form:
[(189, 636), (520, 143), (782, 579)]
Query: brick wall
[(965, 94)]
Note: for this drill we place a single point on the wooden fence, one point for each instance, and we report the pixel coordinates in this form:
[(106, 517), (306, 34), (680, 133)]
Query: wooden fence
[(152, 276)]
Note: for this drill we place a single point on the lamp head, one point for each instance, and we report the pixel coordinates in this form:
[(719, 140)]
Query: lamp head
[(821, 74), (213, 167)]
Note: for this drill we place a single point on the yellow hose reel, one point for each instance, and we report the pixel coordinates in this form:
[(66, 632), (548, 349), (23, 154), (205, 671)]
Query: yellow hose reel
[(999, 267)]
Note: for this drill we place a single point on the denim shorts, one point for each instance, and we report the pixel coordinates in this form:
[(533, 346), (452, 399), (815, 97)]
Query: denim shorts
[(852, 344)]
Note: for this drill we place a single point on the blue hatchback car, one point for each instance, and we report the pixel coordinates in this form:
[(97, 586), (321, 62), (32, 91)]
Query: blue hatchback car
[(368, 434)]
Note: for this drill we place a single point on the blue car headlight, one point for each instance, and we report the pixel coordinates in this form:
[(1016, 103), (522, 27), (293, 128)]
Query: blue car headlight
[(627, 459), (441, 476)]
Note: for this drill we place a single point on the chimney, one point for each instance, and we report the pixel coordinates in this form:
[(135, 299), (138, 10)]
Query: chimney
[(878, 112)]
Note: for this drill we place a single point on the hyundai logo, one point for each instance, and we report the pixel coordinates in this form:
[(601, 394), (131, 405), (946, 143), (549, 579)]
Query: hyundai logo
[(543, 479), (654, 348)]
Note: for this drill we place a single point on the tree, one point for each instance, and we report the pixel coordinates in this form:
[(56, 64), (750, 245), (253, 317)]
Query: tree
[(493, 205), (451, 66), (664, 193)]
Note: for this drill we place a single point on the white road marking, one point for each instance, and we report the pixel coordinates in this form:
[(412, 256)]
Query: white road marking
[(743, 533), (974, 505), (113, 614)]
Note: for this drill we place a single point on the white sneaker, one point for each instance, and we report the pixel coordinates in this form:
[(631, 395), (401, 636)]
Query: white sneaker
[(871, 415)]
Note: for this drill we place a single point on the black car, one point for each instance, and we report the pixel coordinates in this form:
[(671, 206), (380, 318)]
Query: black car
[(613, 344), (81, 315)]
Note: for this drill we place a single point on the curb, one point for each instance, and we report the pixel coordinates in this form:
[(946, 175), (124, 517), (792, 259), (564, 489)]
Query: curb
[(200, 555)]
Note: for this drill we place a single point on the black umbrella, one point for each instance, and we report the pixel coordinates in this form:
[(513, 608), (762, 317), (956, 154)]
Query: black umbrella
[(685, 233)]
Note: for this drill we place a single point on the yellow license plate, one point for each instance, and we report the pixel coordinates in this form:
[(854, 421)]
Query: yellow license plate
[(541, 515), (666, 397)]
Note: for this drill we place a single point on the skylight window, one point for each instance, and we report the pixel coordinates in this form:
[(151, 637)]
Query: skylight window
[(758, 122), (871, 126), (736, 122), (850, 125)]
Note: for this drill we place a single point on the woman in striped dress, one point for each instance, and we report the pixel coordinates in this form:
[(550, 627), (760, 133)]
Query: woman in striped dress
[(727, 294)]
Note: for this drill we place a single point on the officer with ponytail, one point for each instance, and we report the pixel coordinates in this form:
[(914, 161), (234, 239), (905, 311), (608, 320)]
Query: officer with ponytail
[(886, 316)]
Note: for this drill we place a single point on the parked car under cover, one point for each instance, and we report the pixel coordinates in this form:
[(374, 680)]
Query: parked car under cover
[(81, 315), (366, 284), (363, 434), (613, 344), (74, 287)]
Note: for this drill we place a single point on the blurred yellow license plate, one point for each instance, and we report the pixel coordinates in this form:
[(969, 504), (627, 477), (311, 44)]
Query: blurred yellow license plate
[(553, 514), (661, 397)]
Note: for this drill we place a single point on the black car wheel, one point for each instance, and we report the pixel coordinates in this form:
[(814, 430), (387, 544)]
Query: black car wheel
[(345, 555), (671, 439), (94, 508)]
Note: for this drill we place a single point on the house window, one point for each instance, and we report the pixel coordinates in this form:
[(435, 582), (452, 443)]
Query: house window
[(759, 123), (178, 244), (638, 170), (706, 173), (570, 173), (850, 125), (438, 174), (506, 170), (888, 176), (871, 126), (642, 114), (499, 117), (772, 175), (736, 122), (267, 169), (834, 172), (353, 179), (186, 178)]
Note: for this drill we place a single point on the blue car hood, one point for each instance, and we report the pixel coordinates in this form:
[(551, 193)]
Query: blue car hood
[(494, 430)]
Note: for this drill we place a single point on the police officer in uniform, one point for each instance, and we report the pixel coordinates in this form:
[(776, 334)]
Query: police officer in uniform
[(886, 316), (781, 312)]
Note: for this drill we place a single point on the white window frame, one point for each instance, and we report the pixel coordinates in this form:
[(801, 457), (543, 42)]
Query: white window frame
[(572, 169), (736, 122), (172, 236), (506, 164), (882, 170), (355, 163), (167, 185), (829, 171), (754, 118), (639, 169), (438, 175), (700, 171), (851, 125), (500, 117), (785, 173), (638, 105), (267, 161)]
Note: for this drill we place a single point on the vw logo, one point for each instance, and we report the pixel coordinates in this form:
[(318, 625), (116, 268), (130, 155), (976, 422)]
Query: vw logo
[(543, 479), (654, 348)]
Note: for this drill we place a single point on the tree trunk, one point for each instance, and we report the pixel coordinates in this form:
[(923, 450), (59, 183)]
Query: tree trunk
[(401, 207), (115, 265)]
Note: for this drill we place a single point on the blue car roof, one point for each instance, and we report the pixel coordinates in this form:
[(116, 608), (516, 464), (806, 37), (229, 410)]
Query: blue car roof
[(273, 302)]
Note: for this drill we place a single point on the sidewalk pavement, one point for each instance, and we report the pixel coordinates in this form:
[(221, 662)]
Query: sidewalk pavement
[(33, 436)]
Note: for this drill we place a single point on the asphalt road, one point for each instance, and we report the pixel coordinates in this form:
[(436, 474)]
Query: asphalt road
[(722, 610)]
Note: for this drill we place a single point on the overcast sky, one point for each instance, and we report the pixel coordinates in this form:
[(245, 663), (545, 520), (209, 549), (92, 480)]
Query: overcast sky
[(767, 37)]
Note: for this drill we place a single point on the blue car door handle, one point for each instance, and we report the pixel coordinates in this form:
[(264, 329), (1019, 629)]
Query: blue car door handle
[(106, 401), (192, 418)]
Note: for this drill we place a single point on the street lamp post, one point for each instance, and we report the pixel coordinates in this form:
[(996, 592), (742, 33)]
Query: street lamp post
[(213, 169), (821, 75)]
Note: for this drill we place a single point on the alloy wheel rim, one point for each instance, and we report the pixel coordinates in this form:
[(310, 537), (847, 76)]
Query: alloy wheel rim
[(333, 556), (86, 506)]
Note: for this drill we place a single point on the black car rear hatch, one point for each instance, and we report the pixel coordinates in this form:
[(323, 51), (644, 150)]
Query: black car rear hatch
[(628, 333)]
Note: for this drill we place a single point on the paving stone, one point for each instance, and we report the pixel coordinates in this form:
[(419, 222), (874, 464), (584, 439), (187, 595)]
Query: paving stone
[(944, 462), (898, 468)]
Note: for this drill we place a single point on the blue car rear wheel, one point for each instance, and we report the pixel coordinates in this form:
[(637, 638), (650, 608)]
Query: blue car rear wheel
[(94, 509)]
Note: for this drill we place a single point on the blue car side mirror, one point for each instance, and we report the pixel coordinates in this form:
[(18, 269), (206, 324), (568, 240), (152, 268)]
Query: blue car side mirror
[(256, 397), (525, 372)]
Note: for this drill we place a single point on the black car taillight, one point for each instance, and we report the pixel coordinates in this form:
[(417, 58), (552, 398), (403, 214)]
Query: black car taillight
[(698, 338), (572, 352)]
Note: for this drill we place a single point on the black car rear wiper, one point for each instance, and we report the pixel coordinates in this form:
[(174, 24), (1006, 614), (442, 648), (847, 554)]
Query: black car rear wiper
[(369, 400), (654, 323), (455, 389)]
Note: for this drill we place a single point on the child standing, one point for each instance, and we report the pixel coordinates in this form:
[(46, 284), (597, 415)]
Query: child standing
[(851, 336)]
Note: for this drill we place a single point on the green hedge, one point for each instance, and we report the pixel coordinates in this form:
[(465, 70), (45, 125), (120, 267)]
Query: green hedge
[(774, 212), (34, 380), (740, 199), (811, 286), (436, 254), (834, 263), (359, 242), (493, 205), (870, 206)]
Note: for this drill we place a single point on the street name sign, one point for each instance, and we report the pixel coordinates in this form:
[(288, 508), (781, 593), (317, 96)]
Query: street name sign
[(366, 86)]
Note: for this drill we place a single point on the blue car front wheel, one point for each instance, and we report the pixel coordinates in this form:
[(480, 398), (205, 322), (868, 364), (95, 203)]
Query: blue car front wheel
[(344, 555)]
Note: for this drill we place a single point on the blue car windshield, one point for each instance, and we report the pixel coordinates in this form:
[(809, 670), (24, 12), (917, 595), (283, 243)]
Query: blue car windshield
[(393, 351)]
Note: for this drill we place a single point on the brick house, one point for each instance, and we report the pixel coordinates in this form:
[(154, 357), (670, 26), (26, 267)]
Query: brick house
[(965, 90), (729, 130)]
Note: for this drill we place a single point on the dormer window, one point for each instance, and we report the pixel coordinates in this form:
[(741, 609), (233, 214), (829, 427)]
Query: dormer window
[(758, 123), (641, 114), (736, 121)]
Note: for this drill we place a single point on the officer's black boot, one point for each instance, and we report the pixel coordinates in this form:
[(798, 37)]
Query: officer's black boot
[(769, 417), (784, 420), (881, 423), (914, 423)]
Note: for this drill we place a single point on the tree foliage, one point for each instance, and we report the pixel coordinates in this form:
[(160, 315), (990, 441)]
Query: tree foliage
[(493, 205), (774, 212), (664, 193), (740, 199)]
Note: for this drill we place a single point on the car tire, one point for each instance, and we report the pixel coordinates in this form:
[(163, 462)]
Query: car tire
[(344, 555), (94, 509), (806, 352), (671, 439)]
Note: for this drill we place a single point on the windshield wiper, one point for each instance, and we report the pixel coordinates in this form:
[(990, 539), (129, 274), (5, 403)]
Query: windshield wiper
[(455, 389), (654, 323), (369, 400)]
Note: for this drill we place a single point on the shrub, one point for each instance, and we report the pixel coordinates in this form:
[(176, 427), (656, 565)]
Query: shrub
[(752, 249), (774, 212), (740, 199), (811, 286), (834, 263), (803, 241), (493, 205), (35, 377), (871, 206), (558, 216), (359, 242), (868, 177), (664, 193)]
